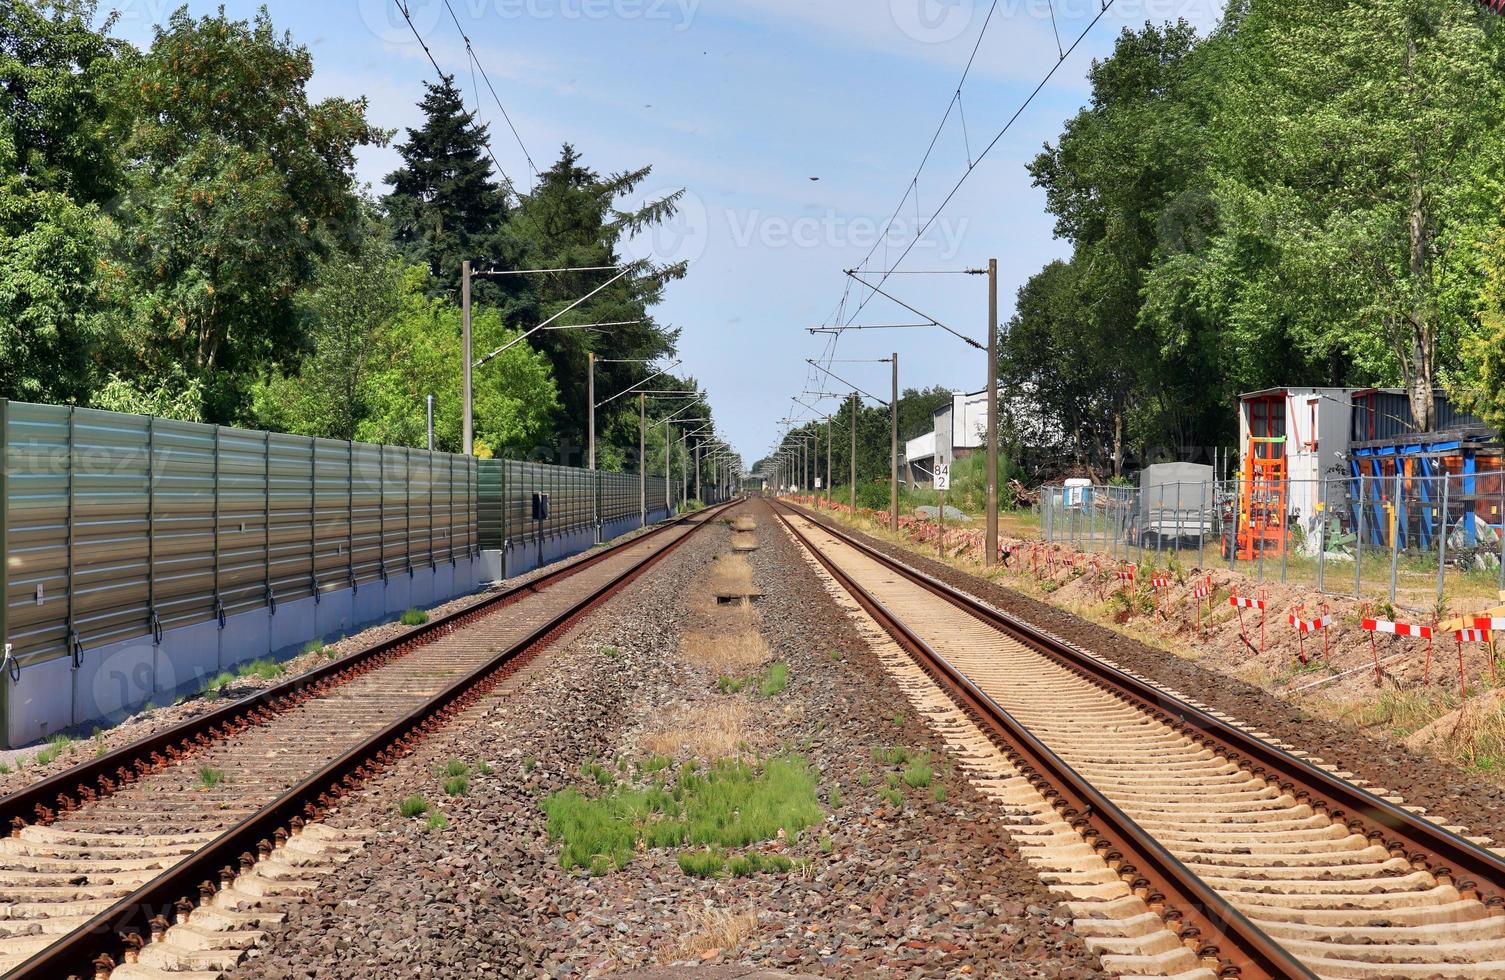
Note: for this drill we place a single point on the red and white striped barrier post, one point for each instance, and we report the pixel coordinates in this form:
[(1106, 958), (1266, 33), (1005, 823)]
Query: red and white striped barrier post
[(1203, 590), (1126, 574), (1162, 584), (1476, 635), (1373, 626), (1306, 626), (1241, 603)]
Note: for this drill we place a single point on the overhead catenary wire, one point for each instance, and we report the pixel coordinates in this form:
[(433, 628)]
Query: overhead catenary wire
[(477, 66), (972, 165), (402, 8)]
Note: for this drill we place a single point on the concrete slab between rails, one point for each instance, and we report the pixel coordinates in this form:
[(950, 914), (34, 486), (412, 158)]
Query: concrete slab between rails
[(116, 679)]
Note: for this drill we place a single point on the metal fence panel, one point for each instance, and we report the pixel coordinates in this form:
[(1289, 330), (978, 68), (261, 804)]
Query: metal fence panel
[(157, 524)]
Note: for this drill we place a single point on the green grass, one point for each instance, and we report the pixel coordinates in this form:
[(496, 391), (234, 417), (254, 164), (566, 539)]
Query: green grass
[(864, 778), (837, 655), (413, 617), (918, 773), (703, 864), (895, 755), (747, 865), (413, 806), (827, 845), (597, 772), (529, 763), (731, 805), (892, 796), (314, 646), (457, 786), (774, 680), (731, 685), (209, 777), (436, 821), (56, 746), (655, 764), (833, 797), (939, 793), (264, 669), (454, 767)]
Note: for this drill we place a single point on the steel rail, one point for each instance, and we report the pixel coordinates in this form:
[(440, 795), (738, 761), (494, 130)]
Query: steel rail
[(97, 777), (1191, 908), (79, 954), (1476, 871)]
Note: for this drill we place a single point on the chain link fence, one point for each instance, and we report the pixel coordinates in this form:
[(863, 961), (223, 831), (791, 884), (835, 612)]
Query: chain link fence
[(1415, 540)]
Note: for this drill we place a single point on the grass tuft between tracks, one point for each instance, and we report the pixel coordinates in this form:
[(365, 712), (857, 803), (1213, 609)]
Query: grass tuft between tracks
[(413, 806), (732, 804), (414, 617)]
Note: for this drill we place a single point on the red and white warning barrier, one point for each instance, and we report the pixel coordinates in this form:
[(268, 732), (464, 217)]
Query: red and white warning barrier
[(1476, 635), (1162, 585), (1397, 629), (1307, 626), (1310, 625), (1490, 624), (1202, 590), (1373, 626), (1242, 602)]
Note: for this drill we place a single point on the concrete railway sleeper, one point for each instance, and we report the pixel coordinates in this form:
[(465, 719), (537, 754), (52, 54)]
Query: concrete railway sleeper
[(1342, 881), (169, 828)]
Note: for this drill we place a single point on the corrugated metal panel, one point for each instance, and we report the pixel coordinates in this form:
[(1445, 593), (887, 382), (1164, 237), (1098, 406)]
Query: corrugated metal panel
[(37, 463), (168, 524), (110, 521)]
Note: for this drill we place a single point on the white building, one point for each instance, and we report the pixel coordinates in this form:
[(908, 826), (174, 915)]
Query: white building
[(959, 428)]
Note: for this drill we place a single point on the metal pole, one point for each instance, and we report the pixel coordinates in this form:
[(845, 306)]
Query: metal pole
[(642, 459), (430, 400), (1499, 477), (668, 493), (852, 463), (1442, 540), (1395, 531), (990, 538), (697, 472), (1322, 538), (893, 451), (830, 477), (469, 423), (684, 469), (5, 681), (590, 407), (1358, 546)]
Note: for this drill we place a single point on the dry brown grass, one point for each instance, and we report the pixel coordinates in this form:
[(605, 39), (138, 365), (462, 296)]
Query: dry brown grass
[(706, 929), (731, 575), (735, 650), (710, 732), (744, 524), (744, 541)]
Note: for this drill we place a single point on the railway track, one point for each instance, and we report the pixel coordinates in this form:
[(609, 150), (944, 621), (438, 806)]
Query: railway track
[(211, 823), (1261, 863)]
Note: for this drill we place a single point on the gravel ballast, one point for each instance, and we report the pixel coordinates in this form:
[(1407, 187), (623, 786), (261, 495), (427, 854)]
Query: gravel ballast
[(925, 887)]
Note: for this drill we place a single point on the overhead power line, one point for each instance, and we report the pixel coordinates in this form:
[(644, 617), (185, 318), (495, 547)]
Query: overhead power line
[(476, 65), (972, 163), (402, 8)]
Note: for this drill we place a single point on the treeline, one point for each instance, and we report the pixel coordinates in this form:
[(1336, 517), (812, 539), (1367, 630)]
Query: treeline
[(1310, 195), (182, 234), (916, 410)]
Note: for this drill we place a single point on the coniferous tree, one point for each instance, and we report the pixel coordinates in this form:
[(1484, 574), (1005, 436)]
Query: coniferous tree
[(446, 203)]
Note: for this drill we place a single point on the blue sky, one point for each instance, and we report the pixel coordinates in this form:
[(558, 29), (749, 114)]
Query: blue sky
[(740, 102)]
